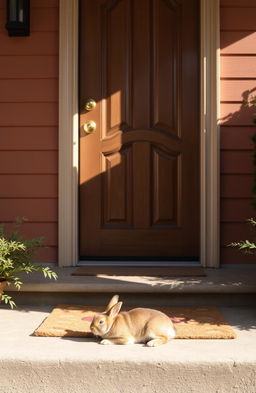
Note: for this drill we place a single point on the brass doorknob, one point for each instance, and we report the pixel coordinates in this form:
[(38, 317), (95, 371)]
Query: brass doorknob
[(90, 104), (89, 127)]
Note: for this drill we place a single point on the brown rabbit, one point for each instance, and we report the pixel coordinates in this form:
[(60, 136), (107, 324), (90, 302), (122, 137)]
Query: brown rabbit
[(139, 325)]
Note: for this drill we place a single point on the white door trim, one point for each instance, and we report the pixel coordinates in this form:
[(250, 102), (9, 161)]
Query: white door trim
[(210, 148), (69, 133)]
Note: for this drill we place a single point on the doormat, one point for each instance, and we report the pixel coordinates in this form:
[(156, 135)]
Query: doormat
[(161, 271), (190, 322)]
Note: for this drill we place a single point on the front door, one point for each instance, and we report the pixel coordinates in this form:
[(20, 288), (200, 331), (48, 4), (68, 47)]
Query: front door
[(139, 168)]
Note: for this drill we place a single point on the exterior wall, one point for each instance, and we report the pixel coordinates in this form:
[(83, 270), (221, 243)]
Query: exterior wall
[(29, 125), (238, 75)]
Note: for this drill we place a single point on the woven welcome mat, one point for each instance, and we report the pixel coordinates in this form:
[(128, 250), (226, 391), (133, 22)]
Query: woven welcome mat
[(190, 322), (161, 271)]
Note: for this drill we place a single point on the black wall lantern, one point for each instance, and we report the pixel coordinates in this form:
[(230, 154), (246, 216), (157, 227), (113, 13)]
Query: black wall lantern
[(18, 18)]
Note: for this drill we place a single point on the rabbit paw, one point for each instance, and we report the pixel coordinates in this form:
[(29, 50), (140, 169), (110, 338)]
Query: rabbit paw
[(105, 342), (154, 343)]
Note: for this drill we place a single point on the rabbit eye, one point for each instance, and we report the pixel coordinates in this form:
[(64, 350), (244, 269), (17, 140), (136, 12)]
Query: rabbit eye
[(101, 321)]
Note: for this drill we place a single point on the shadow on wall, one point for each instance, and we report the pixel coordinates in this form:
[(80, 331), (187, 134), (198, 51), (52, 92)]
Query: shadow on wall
[(238, 114), (245, 113)]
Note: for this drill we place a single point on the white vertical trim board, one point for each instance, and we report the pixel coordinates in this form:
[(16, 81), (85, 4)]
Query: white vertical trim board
[(210, 133), (68, 133), (69, 143)]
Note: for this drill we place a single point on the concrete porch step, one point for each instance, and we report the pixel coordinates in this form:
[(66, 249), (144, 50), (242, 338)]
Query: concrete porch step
[(31, 364), (223, 287)]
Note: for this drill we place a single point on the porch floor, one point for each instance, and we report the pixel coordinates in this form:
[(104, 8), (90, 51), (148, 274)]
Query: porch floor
[(226, 279), (63, 365), (225, 287)]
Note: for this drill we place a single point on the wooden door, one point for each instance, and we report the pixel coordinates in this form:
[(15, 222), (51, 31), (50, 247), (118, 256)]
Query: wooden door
[(139, 170)]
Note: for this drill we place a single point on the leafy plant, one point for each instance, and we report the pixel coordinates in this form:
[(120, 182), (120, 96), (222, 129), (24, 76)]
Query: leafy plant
[(16, 255), (246, 246)]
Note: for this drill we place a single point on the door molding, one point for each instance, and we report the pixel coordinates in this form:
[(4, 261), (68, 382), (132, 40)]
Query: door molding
[(210, 147), (69, 133)]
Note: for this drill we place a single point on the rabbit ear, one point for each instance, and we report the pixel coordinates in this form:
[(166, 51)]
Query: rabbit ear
[(115, 309), (112, 302)]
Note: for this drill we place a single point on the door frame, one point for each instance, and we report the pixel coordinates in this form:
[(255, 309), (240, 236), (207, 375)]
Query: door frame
[(69, 133)]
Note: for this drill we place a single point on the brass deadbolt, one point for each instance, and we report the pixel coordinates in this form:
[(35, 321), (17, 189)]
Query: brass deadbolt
[(90, 104)]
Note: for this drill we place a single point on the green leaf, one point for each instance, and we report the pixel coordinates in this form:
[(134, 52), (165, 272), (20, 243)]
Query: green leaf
[(8, 300), (246, 246)]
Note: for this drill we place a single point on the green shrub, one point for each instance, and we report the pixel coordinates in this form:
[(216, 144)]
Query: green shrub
[(16, 256), (246, 246)]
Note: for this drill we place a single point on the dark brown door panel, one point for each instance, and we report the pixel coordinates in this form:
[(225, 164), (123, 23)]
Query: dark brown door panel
[(139, 169)]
